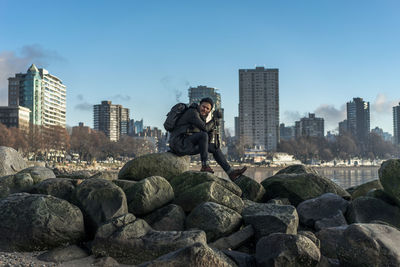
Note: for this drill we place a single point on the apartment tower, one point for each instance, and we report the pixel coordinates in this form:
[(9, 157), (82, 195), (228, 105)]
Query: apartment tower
[(259, 108), (42, 93), (358, 119), (396, 124), (112, 120)]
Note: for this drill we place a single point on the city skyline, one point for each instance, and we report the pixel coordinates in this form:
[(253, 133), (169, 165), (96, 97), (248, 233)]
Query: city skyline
[(145, 57)]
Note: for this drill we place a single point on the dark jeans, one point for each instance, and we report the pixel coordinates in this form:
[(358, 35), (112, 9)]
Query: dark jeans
[(199, 141)]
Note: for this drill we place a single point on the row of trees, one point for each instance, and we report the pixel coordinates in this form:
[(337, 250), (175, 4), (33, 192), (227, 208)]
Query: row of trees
[(45, 142), (342, 147)]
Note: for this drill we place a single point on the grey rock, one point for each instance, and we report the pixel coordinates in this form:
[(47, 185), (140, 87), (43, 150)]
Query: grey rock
[(105, 262), (197, 254), (167, 165), (286, 250), (240, 258), (64, 254), (363, 189), (382, 195), (271, 218), (389, 176), (235, 240), (329, 239), (297, 168), (100, 201), (38, 222), (367, 209), (214, 219), (16, 183), (132, 241), (325, 206), (106, 175), (193, 188), (310, 235), (11, 161), (168, 218), (369, 245), (39, 174), (58, 187), (251, 189), (337, 220), (279, 201), (300, 187), (148, 195)]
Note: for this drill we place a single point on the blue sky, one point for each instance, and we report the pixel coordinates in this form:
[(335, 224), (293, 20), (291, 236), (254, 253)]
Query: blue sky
[(145, 54)]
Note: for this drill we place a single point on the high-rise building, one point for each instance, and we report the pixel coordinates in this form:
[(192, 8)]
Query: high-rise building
[(396, 124), (358, 121), (200, 92), (311, 126), (15, 117), (111, 119), (139, 126), (237, 128), (259, 108), (43, 93), (286, 132), (343, 127)]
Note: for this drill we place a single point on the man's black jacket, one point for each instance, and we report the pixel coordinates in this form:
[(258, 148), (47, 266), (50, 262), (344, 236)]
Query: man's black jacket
[(190, 122)]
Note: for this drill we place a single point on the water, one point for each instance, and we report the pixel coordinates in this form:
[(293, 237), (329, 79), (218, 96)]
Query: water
[(343, 176)]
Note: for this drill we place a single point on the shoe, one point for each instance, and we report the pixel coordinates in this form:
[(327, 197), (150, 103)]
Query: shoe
[(236, 173), (206, 168)]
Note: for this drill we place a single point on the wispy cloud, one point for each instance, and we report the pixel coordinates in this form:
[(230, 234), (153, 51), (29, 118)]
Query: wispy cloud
[(382, 105), (12, 62), (174, 86), (290, 116), (119, 97), (332, 115), (85, 106)]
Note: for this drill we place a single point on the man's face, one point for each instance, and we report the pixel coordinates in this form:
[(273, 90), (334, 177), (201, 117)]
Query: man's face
[(205, 109)]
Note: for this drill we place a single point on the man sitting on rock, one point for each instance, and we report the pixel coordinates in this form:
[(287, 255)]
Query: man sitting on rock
[(191, 136)]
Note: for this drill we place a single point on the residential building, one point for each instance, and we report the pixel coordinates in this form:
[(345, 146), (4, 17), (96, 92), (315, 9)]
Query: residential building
[(358, 120), (311, 126), (286, 132), (396, 125), (15, 117), (42, 93), (81, 128), (259, 108), (139, 126), (196, 94), (343, 127), (237, 128), (111, 119)]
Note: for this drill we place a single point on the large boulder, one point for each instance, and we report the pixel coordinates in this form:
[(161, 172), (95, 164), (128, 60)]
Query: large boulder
[(11, 161), (389, 176), (193, 188), (297, 168), (106, 175), (58, 187), (235, 240), (214, 219), (16, 183), (132, 241), (282, 250), (195, 255), (251, 189), (38, 222), (167, 165), (363, 189), (329, 239), (168, 218), (300, 187), (369, 245), (369, 209), (39, 174), (147, 195), (323, 207), (100, 200), (270, 218), (62, 254)]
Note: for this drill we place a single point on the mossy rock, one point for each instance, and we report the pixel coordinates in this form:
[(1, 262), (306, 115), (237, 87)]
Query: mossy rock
[(363, 189), (389, 176), (167, 165), (251, 189), (190, 179), (300, 187)]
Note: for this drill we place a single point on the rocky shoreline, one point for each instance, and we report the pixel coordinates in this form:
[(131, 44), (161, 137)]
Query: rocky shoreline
[(156, 212)]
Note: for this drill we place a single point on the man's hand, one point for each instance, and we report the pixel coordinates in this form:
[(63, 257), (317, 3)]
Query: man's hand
[(217, 114)]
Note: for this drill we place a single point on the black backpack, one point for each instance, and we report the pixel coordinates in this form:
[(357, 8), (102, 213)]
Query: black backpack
[(173, 116)]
